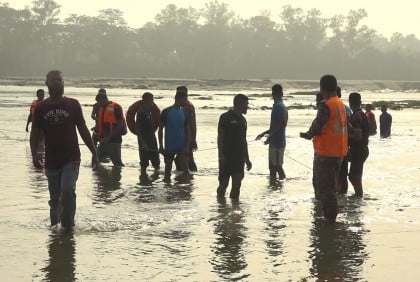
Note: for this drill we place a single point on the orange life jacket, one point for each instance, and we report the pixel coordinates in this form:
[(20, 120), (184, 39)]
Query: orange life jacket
[(333, 141), (107, 116)]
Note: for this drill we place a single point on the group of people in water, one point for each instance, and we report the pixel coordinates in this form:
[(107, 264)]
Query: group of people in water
[(339, 135)]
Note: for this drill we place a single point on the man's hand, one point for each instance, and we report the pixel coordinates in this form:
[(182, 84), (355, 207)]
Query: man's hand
[(194, 146), (248, 164), (259, 136), (37, 161)]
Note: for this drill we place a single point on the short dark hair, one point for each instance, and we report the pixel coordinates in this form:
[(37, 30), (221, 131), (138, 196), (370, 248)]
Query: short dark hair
[(180, 95), (147, 96), (182, 88), (328, 83), (277, 90), (355, 98), (51, 72), (239, 99)]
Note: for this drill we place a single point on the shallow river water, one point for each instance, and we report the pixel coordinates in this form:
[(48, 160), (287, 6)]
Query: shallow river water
[(132, 229)]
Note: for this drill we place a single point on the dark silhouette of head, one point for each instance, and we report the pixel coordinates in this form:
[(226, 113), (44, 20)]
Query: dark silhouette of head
[(240, 103), (355, 100), (328, 85), (277, 90)]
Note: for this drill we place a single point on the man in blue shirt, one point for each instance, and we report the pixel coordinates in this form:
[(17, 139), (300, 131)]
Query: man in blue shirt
[(177, 134), (276, 134)]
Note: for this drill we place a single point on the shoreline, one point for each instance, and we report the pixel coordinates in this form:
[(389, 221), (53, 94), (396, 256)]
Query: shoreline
[(207, 84)]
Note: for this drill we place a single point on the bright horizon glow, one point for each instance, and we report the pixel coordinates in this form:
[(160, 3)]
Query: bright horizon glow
[(386, 18)]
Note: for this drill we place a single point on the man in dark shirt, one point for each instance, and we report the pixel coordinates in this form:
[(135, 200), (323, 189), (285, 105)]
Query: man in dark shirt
[(358, 143), (148, 149), (385, 122), (233, 147), (58, 117)]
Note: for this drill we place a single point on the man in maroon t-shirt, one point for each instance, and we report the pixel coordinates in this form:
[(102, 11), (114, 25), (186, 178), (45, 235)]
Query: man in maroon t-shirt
[(57, 117)]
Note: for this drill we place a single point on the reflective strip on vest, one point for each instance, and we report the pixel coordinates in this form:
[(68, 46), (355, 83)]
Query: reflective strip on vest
[(333, 141)]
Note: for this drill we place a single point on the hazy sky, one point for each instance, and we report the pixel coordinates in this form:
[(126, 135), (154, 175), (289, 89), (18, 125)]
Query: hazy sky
[(386, 17)]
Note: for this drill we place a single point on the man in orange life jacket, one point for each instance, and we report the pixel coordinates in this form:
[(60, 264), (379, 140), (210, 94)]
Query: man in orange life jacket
[(40, 94), (329, 135), (111, 127)]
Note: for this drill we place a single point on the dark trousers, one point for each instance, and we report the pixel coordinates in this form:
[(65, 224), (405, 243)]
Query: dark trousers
[(326, 171)]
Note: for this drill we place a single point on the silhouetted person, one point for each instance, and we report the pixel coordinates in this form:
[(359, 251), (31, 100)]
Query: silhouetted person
[(174, 121), (40, 94), (358, 142), (189, 108), (276, 134), (152, 115), (148, 148), (342, 183), (329, 133), (111, 128), (94, 115), (371, 119), (233, 147), (385, 122)]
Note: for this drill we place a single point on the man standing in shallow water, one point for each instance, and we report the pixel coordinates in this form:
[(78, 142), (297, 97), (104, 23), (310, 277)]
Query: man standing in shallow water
[(58, 117), (40, 97), (277, 134), (233, 147), (330, 140)]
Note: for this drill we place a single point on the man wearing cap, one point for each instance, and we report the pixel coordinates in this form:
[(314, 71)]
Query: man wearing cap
[(111, 127)]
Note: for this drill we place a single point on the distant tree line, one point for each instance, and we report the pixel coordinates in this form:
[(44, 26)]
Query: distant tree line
[(203, 43)]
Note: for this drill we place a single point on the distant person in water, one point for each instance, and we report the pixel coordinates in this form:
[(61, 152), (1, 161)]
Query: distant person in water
[(233, 147), (342, 183), (40, 94), (58, 117), (111, 128), (276, 134), (145, 129), (358, 142), (94, 115), (189, 108), (174, 125), (371, 119), (385, 122)]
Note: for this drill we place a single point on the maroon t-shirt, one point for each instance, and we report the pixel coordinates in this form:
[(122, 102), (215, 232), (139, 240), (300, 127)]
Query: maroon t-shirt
[(58, 121)]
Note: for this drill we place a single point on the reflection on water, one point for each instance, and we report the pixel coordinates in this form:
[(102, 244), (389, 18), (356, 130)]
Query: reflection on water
[(108, 181), (338, 250), (61, 263), (274, 222), (229, 257)]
